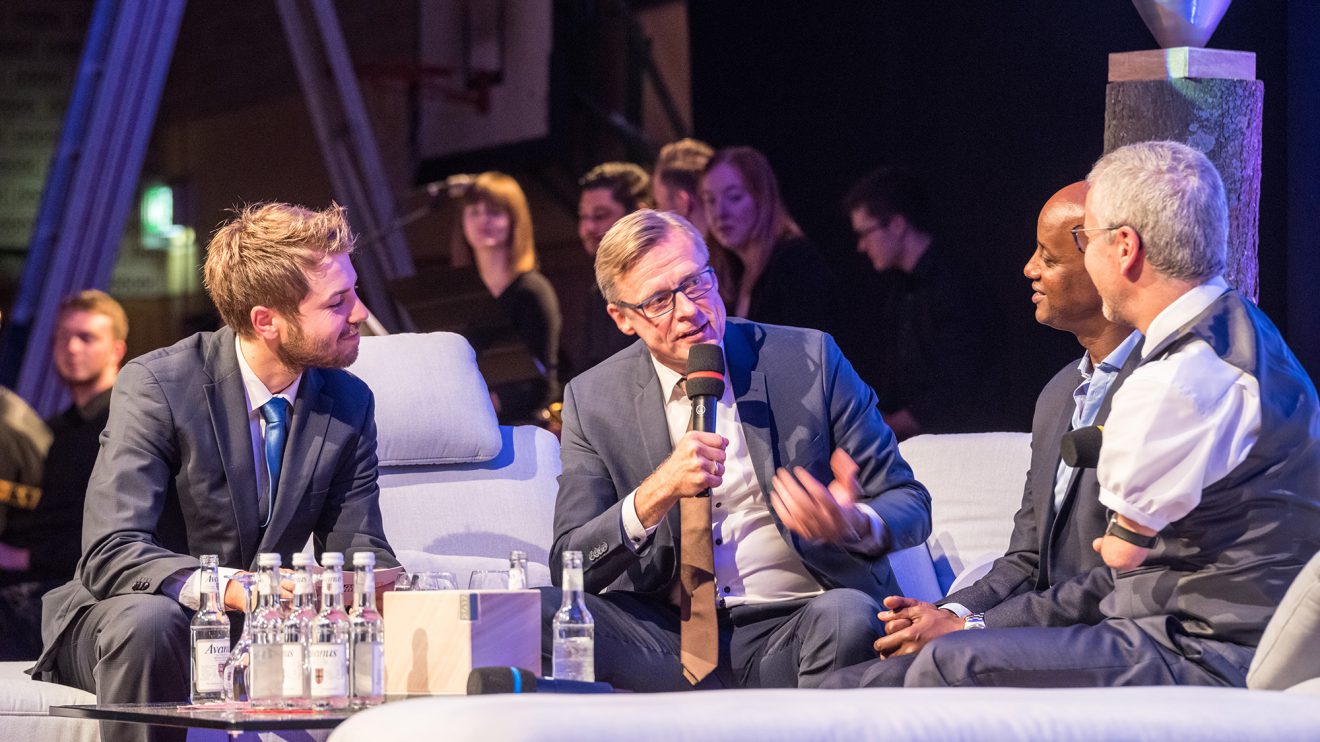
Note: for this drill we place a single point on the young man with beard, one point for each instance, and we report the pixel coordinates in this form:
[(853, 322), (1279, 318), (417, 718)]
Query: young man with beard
[(188, 465)]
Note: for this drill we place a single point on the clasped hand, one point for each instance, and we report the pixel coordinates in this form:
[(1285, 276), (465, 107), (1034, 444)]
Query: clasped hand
[(910, 624), (819, 512)]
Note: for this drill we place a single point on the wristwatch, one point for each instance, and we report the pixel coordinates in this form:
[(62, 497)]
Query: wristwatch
[(974, 621), (1128, 535)]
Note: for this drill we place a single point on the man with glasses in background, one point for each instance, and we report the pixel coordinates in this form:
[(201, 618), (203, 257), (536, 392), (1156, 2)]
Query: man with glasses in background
[(796, 566)]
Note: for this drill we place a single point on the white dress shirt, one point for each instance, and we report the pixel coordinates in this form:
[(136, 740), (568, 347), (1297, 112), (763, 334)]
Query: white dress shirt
[(753, 562), (184, 585), (1178, 424)]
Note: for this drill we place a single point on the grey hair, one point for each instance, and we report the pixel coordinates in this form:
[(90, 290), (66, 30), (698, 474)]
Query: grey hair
[(1173, 197), (632, 237)]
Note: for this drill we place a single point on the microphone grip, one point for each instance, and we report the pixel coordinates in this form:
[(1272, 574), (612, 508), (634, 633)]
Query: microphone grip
[(703, 413)]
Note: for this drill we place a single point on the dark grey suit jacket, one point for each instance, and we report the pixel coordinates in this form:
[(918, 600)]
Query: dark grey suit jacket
[(798, 399), (1050, 575), (176, 478)]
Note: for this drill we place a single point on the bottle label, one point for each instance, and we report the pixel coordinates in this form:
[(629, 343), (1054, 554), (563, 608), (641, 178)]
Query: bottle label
[(368, 669), (329, 668), (267, 671), (516, 579), (302, 582), (265, 583), (210, 582), (332, 583), (572, 580), (294, 668), (210, 658)]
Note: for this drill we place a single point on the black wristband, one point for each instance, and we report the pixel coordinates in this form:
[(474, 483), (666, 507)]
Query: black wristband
[(1128, 535)]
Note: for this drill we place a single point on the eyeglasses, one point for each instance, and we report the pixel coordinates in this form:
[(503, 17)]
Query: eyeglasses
[(1081, 241), (662, 302)]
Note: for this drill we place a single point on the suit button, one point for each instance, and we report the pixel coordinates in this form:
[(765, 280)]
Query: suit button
[(719, 542), (719, 504), (726, 588)]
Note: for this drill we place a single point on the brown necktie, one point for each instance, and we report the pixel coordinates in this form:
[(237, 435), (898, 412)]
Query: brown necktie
[(699, 633)]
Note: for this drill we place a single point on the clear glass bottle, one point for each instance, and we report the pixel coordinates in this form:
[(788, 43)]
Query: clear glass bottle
[(209, 637), (367, 632), (298, 634), (327, 661), (574, 629), (266, 682), (518, 570)]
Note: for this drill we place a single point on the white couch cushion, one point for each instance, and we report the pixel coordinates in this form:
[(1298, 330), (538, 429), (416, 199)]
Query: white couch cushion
[(24, 705), (1289, 651), (975, 482), (432, 406), (485, 509)]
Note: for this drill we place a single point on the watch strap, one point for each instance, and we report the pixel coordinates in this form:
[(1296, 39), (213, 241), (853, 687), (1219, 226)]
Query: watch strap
[(1126, 534)]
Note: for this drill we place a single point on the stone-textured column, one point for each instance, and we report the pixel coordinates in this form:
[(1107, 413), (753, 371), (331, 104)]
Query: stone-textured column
[(1208, 99)]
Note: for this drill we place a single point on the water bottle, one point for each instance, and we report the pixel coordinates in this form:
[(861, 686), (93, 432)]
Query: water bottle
[(574, 629), (209, 632), (298, 634), (367, 632), (518, 570), (266, 682), (328, 651)]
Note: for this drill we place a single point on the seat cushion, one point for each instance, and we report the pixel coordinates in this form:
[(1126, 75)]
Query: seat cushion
[(432, 405), (25, 704), (1289, 651)]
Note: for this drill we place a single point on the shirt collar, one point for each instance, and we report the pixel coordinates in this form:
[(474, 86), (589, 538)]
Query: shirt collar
[(257, 393), (1116, 358), (95, 406), (669, 379), (1183, 310)]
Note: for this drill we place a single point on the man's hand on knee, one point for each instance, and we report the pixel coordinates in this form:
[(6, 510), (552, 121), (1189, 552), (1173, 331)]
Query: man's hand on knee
[(910, 624)]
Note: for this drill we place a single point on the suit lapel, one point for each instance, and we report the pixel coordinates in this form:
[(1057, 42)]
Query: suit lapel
[(653, 426), (311, 420), (749, 393), (227, 401)]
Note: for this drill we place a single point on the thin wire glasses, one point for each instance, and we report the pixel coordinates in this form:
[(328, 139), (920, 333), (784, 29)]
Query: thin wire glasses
[(1081, 240), (662, 302)]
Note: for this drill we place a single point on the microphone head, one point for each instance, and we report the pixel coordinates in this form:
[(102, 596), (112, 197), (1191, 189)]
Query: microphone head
[(1080, 448), (705, 371), (483, 681)]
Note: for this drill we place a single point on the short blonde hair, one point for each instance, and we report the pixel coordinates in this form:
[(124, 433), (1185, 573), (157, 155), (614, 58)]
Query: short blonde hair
[(262, 256), (98, 302), (632, 237)]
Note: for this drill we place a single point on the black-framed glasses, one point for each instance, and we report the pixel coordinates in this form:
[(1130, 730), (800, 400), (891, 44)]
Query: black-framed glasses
[(661, 303), (1081, 240)]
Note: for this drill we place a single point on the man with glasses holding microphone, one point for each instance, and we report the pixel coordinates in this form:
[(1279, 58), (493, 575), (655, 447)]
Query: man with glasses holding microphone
[(723, 558)]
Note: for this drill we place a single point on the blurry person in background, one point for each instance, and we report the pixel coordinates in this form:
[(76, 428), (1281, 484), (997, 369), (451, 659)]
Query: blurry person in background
[(496, 237), (917, 343), (769, 272), (676, 180), (24, 440), (609, 192)]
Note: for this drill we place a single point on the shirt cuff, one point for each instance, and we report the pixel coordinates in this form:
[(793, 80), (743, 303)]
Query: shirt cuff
[(957, 609), (876, 540), (635, 535), (184, 585), (1117, 504)]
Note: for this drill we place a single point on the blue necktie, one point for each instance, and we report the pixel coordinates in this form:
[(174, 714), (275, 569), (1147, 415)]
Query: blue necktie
[(276, 413)]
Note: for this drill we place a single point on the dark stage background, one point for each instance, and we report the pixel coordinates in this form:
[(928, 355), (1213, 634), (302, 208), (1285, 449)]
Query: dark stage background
[(996, 105)]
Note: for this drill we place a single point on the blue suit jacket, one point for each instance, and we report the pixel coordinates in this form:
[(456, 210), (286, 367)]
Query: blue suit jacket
[(176, 478), (798, 398)]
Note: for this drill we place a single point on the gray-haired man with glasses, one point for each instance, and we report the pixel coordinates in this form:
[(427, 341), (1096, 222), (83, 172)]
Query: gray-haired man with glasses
[(805, 491)]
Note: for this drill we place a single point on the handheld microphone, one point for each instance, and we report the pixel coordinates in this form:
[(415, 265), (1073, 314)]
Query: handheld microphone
[(455, 186), (1080, 448), (705, 384), (484, 681)]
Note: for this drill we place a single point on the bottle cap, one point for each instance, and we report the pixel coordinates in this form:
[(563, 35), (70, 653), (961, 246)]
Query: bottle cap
[(269, 559), (364, 559), (302, 559), (332, 559)]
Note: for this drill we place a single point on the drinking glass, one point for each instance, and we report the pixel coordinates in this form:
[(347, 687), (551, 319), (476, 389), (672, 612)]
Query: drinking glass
[(489, 579), (433, 581), (240, 656)]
